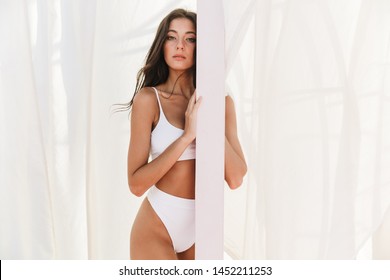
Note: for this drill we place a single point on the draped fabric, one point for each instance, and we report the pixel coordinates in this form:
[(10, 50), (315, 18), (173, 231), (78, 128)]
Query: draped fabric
[(310, 80), (311, 84), (63, 64)]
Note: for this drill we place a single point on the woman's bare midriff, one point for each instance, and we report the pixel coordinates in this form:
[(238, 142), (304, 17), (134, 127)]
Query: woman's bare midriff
[(179, 180)]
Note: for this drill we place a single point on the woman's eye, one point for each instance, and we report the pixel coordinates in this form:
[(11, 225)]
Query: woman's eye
[(170, 38), (191, 40)]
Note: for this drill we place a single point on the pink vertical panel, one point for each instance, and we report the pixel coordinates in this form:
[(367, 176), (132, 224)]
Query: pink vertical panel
[(210, 130)]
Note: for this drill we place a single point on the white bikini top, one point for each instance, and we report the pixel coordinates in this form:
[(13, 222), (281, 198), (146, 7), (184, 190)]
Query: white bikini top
[(164, 134)]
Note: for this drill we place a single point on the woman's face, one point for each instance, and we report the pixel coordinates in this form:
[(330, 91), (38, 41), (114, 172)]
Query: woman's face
[(180, 44)]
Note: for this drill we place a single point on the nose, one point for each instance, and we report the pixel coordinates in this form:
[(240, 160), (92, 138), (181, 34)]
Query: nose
[(180, 45)]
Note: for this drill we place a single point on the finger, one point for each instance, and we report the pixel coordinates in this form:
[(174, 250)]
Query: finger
[(191, 103), (197, 104)]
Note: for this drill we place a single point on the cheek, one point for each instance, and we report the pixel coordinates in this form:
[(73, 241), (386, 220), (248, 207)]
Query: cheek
[(166, 50), (193, 52), (192, 48), (169, 44)]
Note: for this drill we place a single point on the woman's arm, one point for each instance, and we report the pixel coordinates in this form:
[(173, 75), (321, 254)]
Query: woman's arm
[(141, 174), (235, 165)]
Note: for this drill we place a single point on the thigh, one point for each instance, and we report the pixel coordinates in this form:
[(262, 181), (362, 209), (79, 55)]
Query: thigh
[(149, 239), (188, 254)]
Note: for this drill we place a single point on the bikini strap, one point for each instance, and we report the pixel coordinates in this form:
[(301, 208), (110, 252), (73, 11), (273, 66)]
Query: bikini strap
[(158, 98), (159, 103)]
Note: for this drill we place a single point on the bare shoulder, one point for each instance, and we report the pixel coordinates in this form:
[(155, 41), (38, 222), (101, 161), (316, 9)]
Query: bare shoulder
[(229, 100), (145, 98), (229, 105), (145, 105)]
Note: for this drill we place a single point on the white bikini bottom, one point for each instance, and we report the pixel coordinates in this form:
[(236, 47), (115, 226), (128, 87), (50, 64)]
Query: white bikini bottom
[(178, 216)]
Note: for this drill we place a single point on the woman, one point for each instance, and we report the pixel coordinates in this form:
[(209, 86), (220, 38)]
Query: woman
[(163, 123)]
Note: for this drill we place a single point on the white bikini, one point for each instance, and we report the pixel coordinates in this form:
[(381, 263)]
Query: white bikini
[(176, 213)]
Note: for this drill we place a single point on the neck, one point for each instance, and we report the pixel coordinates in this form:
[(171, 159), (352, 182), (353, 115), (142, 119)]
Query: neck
[(179, 82)]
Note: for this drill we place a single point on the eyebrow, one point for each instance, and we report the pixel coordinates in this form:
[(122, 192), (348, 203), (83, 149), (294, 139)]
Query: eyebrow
[(188, 32)]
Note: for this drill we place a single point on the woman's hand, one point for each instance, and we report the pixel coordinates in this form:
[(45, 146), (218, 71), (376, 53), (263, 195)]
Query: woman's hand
[(191, 117)]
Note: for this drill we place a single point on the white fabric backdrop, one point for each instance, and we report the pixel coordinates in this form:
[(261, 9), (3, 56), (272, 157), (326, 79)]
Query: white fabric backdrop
[(311, 81), (64, 191), (311, 84)]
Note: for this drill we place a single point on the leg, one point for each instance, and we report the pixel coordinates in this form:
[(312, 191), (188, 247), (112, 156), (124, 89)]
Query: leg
[(188, 254), (149, 239)]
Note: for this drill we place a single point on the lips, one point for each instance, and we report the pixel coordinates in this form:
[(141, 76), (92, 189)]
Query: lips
[(179, 57)]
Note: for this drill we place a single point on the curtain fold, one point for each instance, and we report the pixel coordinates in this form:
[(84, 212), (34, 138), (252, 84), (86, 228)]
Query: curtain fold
[(311, 83), (63, 64)]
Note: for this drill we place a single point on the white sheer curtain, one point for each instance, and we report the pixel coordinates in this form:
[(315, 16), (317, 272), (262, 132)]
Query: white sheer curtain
[(311, 82), (63, 184)]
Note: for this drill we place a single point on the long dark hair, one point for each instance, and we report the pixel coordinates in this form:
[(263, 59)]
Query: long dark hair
[(156, 70)]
